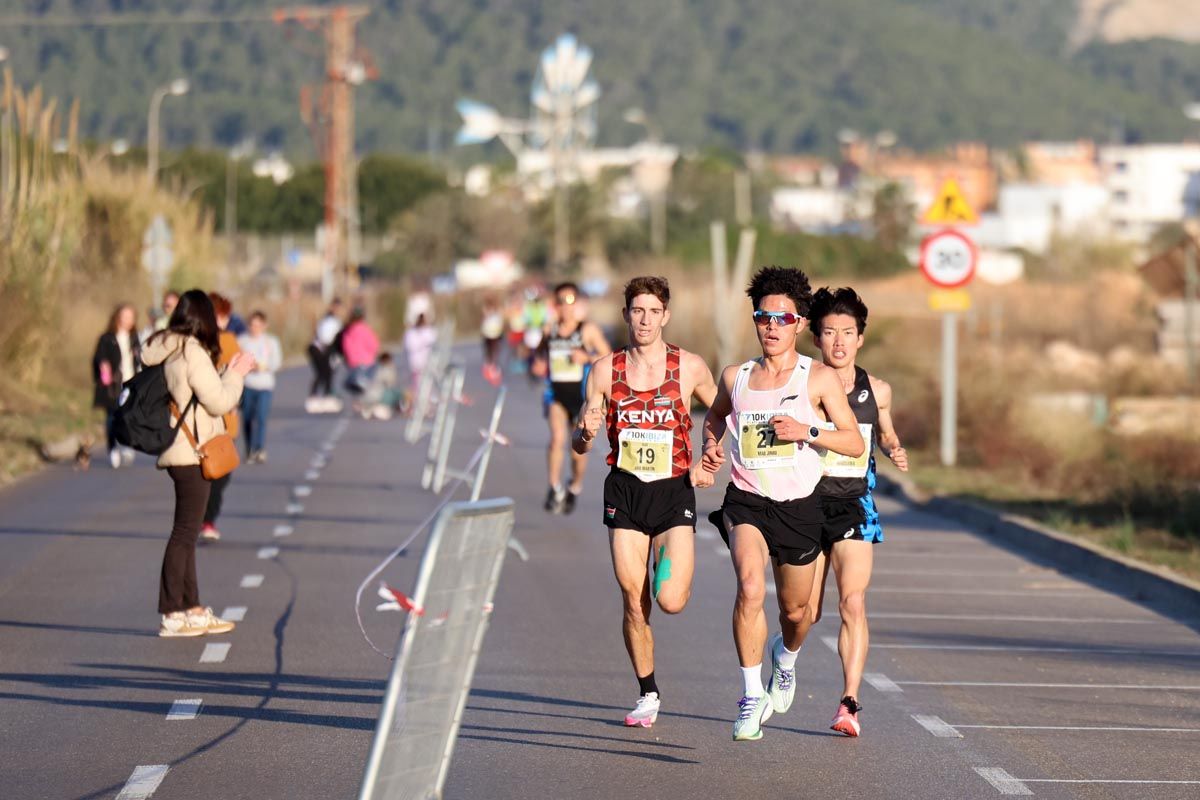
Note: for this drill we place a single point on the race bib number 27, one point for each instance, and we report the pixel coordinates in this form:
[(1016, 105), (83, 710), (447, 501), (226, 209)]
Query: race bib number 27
[(758, 445)]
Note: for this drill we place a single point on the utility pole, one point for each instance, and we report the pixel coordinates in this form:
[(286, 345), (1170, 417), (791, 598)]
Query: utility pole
[(332, 125)]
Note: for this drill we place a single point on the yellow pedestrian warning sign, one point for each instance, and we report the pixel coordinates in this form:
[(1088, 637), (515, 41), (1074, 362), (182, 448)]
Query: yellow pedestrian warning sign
[(950, 207)]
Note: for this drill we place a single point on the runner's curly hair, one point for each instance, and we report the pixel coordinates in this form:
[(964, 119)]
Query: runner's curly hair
[(839, 301), (787, 281)]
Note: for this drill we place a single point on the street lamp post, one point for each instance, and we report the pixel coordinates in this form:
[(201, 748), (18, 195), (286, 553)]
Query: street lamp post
[(177, 87), (657, 195)]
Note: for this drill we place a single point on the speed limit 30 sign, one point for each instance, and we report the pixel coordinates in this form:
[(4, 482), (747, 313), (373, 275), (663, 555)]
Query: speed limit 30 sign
[(948, 259)]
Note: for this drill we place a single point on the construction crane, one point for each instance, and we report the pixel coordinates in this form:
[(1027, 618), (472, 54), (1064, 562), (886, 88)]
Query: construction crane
[(330, 120)]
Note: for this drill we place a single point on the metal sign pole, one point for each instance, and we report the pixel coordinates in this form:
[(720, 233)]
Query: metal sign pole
[(949, 389)]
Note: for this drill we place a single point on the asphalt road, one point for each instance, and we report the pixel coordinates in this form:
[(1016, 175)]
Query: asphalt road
[(991, 673)]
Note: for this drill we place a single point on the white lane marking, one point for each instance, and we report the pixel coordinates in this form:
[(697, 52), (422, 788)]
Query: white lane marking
[(881, 682), (301, 490), (312, 475), (283, 530), (1002, 782), (1033, 595), (937, 726), (1108, 651), (1004, 684), (184, 709), (1018, 618), (328, 447), (830, 642), (268, 552), (1108, 780), (771, 587), (319, 462), (214, 653), (234, 613), (1079, 728), (143, 782), (295, 508), (958, 573), (251, 581)]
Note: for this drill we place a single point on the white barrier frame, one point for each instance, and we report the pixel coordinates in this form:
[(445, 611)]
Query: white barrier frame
[(395, 689)]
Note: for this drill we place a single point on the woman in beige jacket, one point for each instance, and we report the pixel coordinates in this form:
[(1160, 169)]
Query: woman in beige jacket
[(188, 350)]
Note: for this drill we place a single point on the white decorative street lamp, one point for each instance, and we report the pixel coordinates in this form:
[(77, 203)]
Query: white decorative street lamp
[(176, 88)]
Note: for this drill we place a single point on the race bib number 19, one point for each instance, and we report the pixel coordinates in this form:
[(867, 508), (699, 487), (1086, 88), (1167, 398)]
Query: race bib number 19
[(757, 443), (836, 465), (646, 454)]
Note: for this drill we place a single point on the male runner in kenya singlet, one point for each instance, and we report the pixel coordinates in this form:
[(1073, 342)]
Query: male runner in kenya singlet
[(771, 510), (643, 394), (838, 321), (569, 346)]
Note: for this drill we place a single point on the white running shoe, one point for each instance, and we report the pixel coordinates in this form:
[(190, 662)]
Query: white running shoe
[(207, 622), (752, 713), (782, 686), (177, 624), (645, 713), (114, 457), (128, 454)]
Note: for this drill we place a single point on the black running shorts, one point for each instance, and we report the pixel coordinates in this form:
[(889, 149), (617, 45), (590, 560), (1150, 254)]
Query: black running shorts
[(844, 518), (652, 508), (569, 396), (792, 528)]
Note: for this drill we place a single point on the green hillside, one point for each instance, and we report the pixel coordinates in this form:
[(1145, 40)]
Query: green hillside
[(778, 75)]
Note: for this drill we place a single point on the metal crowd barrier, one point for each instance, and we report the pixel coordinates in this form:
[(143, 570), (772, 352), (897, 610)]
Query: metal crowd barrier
[(428, 387), (437, 455), (435, 661)]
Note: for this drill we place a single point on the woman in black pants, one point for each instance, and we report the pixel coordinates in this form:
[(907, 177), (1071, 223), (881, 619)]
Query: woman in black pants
[(188, 350)]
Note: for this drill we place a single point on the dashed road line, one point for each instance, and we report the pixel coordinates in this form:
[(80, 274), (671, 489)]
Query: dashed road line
[(937, 726), (251, 581), (184, 709), (268, 552), (295, 508), (143, 782), (312, 475), (301, 490), (881, 682), (1003, 782), (283, 530), (234, 613), (215, 652)]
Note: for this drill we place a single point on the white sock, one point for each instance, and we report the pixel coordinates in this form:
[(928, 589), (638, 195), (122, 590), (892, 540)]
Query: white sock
[(752, 681), (786, 658)]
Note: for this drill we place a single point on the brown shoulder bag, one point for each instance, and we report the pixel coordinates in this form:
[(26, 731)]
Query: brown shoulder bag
[(218, 456)]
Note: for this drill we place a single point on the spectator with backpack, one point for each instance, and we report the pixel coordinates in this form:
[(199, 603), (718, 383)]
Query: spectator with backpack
[(188, 351), (115, 361)]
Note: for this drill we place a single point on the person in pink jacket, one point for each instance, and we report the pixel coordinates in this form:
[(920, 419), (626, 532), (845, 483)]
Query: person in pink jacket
[(360, 348)]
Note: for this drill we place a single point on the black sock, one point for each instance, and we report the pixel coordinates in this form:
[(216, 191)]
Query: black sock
[(647, 684)]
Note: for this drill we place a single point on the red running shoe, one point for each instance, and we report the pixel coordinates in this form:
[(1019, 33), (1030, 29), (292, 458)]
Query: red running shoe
[(846, 719)]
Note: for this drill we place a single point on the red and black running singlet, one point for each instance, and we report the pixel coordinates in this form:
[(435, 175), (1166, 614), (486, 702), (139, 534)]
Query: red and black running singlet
[(650, 432)]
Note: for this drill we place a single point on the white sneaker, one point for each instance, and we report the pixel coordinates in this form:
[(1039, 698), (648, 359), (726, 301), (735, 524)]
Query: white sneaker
[(128, 454), (752, 713), (782, 686), (114, 457), (178, 623), (207, 622), (645, 713)]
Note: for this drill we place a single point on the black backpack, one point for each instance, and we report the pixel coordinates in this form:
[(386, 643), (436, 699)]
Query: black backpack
[(142, 419)]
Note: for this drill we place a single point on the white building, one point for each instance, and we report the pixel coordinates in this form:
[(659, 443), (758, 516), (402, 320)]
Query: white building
[(808, 207), (1028, 215), (1150, 185)]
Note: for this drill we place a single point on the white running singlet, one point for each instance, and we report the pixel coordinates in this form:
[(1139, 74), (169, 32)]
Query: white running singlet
[(760, 463)]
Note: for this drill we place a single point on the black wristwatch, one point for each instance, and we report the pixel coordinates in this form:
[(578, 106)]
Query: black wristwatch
[(813, 433)]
